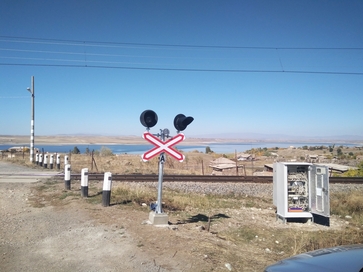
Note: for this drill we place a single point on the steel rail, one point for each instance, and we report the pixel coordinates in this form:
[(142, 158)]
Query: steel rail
[(201, 178)]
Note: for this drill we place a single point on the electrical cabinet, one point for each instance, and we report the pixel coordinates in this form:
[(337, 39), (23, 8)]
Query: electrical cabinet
[(301, 191)]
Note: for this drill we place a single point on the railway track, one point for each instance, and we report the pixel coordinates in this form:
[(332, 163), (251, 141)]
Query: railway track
[(200, 178)]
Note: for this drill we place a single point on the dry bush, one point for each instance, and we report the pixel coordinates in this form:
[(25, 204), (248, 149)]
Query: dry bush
[(194, 163), (137, 194), (332, 238), (344, 203)]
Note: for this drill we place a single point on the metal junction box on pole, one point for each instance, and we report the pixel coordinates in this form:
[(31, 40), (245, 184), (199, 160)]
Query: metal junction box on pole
[(301, 192)]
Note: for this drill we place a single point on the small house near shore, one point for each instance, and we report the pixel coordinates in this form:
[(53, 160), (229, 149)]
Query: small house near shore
[(224, 166), (244, 157)]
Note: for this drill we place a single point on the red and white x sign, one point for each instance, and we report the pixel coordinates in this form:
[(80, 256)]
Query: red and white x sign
[(161, 146)]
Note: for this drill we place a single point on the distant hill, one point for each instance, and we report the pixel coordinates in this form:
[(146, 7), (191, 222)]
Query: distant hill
[(281, 137)]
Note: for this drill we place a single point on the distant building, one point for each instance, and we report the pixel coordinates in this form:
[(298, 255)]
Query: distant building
[(312, 158), (244, 157), (222, 166), (17, 149)]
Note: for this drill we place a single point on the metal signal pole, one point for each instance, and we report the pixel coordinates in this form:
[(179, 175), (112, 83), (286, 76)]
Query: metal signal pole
[(163, 133), (31, 90)]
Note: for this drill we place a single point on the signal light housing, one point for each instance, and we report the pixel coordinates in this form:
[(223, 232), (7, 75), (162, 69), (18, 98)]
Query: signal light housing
[(148, 118), (181, 122)]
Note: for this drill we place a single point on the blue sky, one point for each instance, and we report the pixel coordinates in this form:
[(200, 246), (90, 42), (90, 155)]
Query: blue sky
[(238, 67)]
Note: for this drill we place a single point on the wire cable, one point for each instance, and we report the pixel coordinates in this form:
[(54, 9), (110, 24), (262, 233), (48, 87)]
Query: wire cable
[(100, 43), (183, 69), (13, 97), (44, 58)]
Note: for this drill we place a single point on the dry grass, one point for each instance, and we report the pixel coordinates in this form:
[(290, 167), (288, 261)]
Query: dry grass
[(238, 240), (194, 163), (247, 241), (351, 204), (291, 241), (348, 204)]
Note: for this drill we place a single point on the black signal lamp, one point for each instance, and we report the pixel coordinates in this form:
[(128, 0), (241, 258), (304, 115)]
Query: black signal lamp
[(181, 122), (148, 118)]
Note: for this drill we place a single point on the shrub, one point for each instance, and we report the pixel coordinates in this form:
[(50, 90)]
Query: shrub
[(105, 151), (76, 150), (208, 150)]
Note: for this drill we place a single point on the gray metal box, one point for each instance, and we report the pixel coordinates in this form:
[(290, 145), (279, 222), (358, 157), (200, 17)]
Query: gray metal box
[(301, 191)]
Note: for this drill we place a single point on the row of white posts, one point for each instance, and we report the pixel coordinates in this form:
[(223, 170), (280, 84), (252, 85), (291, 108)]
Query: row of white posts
[(42, 160), (107, 183)]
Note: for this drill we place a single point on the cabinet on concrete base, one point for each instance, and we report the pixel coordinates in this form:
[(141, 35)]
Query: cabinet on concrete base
[(301, 191)]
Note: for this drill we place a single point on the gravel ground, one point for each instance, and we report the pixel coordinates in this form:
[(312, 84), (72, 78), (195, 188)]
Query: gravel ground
[(248, 189), (64, 238), (76, 236)]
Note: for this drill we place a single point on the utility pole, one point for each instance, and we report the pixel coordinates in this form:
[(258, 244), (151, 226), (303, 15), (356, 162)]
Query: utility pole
[(31, 90)]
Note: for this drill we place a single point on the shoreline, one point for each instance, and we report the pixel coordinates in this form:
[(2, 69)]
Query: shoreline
[(135, 140)]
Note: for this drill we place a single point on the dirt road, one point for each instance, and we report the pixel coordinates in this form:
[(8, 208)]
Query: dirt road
[(37, 236)]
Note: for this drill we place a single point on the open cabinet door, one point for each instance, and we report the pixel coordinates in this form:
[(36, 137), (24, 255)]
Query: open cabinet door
[(319, 194)]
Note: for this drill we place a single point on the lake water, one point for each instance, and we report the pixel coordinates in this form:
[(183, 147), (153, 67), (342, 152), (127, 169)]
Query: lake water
[(220, 148)]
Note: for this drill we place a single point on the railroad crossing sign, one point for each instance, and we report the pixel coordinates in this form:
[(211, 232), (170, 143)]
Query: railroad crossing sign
[(161, 146)]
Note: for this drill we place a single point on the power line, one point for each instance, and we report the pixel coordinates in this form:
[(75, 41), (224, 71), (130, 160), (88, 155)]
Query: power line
[(101, 43), (73, 60), (13, 97), (105, 63), (94, 54), (183, 69)]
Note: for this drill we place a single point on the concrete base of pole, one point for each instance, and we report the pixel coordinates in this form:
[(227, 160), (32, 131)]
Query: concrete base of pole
[(67, 184), (158, 219), (106, 198), (84, 191)]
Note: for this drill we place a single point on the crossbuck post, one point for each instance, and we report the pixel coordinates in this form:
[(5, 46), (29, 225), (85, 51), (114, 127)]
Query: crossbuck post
[(161, 176)]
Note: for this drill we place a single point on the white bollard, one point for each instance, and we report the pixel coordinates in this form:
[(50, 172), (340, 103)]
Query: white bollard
[(84, 182), (37, 159), (67, 176), (45, 164), (40, 159), (58, 161), (106, 191), (51, 160), (66, 160)]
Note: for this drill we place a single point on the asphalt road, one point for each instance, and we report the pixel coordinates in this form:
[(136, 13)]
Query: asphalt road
[(10, 172)]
